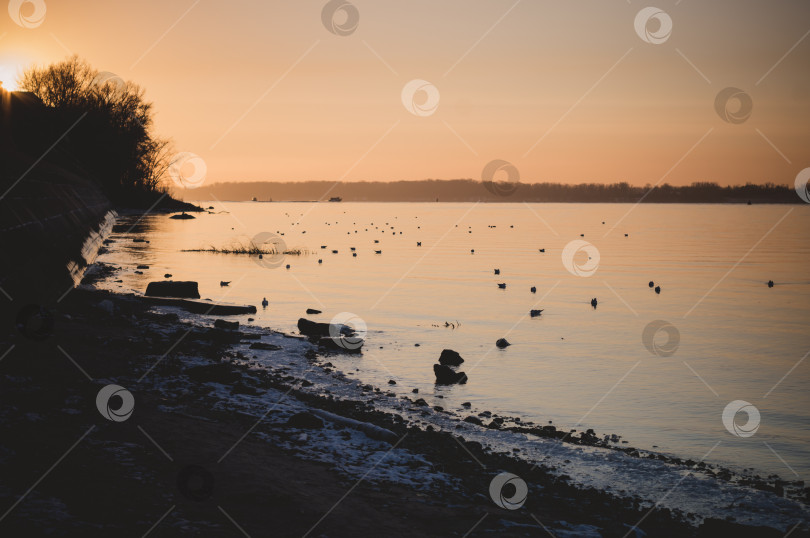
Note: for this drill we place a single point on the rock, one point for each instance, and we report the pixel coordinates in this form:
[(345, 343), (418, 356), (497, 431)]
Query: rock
[(265, 346), (392, 382), (466, 404), (450, 358), (415, 391), (447, 376), (421, 402), (502, 343), (313, 311), (305, 421), (474, 420), (341, 344), (167, 275), (107, 306), (222, 324), (314, 329), (535, 313), (250, 336), (173, 288), (214, 373), (142, 267)]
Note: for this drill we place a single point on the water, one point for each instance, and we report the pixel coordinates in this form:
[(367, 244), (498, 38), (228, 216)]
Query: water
[(576, 366)]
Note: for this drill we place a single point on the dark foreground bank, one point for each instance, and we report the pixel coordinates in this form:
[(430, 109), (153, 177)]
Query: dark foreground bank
[(184, 463)]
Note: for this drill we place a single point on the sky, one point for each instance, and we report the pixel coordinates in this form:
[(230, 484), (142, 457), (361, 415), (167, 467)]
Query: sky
[(588, 91)]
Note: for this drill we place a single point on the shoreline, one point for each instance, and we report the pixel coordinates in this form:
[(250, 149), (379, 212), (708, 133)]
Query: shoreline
[(193, 388)]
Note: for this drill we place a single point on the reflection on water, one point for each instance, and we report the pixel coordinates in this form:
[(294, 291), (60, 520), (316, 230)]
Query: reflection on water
[(573, 364)]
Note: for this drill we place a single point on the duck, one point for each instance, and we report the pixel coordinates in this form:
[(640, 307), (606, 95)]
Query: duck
[(770, 283), (652, 283), (533, 289), (502, 285), (658, 290), (223, 283), (264, 302), (497, 271), (535, 313), (594, 302)]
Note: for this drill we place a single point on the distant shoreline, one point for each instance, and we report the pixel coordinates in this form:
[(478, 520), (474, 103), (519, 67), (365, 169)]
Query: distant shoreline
[(471, 191)]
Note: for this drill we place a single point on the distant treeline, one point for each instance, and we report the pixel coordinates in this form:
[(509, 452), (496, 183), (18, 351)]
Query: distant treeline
[(468, 190)]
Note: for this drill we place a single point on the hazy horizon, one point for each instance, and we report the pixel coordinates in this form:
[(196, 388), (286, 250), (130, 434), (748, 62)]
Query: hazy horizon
[(568, 94)]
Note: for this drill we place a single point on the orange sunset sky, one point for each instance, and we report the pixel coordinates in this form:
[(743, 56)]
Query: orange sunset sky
[(566, 91)]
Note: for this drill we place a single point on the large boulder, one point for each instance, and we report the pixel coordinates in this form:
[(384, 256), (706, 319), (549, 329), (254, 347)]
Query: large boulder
[(173, 288), (450, 358), (314, 329), (447, 376)]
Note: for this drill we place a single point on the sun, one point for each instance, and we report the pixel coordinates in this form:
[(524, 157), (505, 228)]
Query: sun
[(9, 73)]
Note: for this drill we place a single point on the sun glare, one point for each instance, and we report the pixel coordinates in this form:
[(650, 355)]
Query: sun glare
[(9, 73)]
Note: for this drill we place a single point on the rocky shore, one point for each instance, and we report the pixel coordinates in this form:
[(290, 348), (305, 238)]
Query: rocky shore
[(217, 444)]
